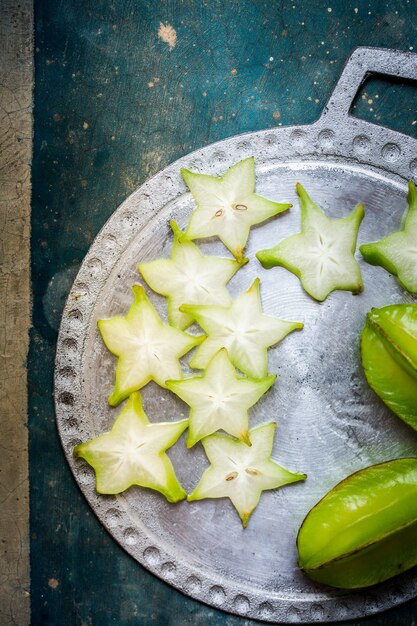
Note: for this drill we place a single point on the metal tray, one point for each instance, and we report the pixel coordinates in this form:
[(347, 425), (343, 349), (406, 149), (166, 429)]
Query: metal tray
[(329, 422)]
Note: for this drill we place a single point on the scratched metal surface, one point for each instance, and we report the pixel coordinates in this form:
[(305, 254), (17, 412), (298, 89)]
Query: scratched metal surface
[(329, 422), (114, 104)]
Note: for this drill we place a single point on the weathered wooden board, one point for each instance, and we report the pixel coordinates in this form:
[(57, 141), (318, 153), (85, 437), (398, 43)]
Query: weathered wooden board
[(16, 81)]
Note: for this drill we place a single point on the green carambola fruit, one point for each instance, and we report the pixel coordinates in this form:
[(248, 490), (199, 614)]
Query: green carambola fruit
[(364, 530), (397, 253), (389, 358), (322, 254)]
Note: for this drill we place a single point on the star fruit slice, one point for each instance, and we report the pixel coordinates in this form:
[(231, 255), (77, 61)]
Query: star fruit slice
[(133, 453), (322, 254), (243, 329), (397, 253), (228, 206), (240, 472), (219, 399), (190, 277), (147, 348)]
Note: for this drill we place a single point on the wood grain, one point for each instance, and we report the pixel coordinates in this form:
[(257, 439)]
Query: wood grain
[(15, 155)]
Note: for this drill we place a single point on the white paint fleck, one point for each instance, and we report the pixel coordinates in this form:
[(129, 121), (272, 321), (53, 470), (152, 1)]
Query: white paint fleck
[(167, 34)]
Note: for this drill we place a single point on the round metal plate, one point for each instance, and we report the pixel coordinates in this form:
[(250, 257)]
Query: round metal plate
[(329, 422)]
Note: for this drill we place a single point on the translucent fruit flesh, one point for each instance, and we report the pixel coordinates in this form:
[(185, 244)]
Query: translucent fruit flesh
[(243, 329), (133, 453), (227, 206), (189, 277), (322, 254), (219, 399), (240, 472), (147, 348), (397, 253)]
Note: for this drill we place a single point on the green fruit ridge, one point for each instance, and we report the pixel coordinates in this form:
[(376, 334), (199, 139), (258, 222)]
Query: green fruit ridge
[(219, 399), (364, 530), (397, 253), (240, 472), (322, 254), (147, 348), (189, 276), (228, 206), (243, 329), (389, 358), (134, 453)]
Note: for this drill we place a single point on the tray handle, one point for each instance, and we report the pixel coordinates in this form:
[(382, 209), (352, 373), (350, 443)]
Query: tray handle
[(361, 63)]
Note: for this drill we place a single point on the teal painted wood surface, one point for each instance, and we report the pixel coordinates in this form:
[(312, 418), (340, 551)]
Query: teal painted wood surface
[(114, 103)]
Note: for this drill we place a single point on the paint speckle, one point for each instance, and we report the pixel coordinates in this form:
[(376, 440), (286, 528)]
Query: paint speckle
[(204, 94), (329, 9), (53, 583), (168, 34), (150, 84), (276, 115), (233, 72), (356, 10), (86, 125)]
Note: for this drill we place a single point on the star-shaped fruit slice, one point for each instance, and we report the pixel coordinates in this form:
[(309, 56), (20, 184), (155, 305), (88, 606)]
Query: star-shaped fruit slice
[(227, 206), (240, 472), (190, 277), (322, 254), (219, 399), (397, 253), (147, 348), (133, 453), (243, 329)]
